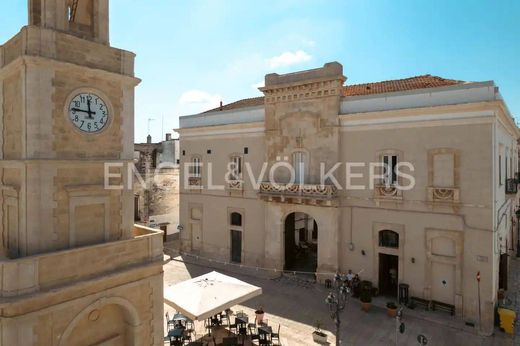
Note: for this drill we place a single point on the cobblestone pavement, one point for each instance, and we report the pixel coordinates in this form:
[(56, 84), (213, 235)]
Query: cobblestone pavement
[(297, 304)]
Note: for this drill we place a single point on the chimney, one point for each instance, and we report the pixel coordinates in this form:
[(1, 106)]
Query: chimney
[(168, 136), (221, 105), (148, 139)]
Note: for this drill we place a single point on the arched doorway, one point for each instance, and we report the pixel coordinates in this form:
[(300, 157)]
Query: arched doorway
[(301, 243), (111, 321)]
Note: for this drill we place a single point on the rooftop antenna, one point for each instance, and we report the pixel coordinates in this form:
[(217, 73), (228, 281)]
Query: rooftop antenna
[(149, 119)]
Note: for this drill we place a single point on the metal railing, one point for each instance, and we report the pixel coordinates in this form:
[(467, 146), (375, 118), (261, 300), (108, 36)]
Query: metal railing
[(511, 186)]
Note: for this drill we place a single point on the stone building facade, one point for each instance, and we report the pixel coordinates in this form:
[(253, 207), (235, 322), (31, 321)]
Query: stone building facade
[(156, 190), (74, 268), (457, 220)]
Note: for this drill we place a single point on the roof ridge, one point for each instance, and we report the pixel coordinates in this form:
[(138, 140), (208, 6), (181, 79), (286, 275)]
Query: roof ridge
[(406, 79), (424, 81)]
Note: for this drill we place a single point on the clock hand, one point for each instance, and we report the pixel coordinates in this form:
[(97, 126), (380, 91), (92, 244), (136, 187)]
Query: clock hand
[(89, 111), (84, 111), (79, 110)]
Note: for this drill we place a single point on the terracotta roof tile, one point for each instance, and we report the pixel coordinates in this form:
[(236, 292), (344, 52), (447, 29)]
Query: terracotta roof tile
[(412, 83), (418, 82), (255, 101)]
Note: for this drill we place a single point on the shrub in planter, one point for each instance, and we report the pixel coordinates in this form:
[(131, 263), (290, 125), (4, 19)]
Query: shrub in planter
[(366, 300), (259, 315), (391, 309), (319, 336)]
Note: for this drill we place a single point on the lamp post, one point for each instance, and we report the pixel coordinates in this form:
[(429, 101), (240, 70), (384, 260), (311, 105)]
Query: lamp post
[(337, 301), (517, 212)]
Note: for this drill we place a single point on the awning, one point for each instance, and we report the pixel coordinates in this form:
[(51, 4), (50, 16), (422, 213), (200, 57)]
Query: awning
[(209, 294)]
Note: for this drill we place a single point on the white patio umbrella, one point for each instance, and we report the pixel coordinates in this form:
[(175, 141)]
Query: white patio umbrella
[(208, 294)]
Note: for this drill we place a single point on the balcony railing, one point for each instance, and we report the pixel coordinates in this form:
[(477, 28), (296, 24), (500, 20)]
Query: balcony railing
[(511, 186), (195, 182), (298, 192)]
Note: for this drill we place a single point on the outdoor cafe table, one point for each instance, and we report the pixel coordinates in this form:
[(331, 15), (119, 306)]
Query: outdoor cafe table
[(264, 335), (242, 321), (176, 334)]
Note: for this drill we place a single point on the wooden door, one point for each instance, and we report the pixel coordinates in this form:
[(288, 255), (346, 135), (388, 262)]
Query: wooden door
[(502, 276), (236, 246)]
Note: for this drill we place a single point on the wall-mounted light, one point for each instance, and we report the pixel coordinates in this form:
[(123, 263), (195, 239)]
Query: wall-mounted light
[(363, 252), (180, 227), (413, 259)]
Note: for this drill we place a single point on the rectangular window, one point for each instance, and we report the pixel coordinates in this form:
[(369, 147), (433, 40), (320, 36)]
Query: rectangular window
[(500, 169), (507, 171), (299, 167), (444, 170), (389, 170), (236, 168), (196, 167)]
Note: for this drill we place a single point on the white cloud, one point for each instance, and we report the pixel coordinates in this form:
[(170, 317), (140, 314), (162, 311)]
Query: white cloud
[(288, 58), (199, 97)]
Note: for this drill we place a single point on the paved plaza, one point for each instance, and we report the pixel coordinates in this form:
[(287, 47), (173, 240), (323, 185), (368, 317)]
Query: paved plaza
[(297, 304)]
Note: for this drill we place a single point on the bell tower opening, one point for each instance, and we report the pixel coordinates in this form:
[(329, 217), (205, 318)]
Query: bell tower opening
[(81, 16), (87, 19)]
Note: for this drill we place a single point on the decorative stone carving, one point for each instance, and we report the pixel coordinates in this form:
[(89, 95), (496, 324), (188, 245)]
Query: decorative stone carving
[(388, 192), (443, 194), (237, 185), (298, 192)]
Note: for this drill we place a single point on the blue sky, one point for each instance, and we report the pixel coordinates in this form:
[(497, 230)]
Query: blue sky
[(192, 54)]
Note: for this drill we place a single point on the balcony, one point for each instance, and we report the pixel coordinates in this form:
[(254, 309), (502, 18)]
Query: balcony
[(195, 183), (45, 271), (299, 193), (511, 186)]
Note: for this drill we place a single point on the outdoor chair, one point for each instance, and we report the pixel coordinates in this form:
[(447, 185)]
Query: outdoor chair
[(252, 328), (232, 327), (276, 336), (224, 316), (254, 336), (170, 323)]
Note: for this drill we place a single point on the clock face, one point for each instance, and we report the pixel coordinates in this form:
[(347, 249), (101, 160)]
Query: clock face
[(88, 112)]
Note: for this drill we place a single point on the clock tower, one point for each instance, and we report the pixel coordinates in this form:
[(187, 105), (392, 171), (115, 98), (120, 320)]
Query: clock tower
[(68, 244)]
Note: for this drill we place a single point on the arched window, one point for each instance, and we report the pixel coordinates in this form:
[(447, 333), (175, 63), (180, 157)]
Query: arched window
[(388, 239), (236, 219)]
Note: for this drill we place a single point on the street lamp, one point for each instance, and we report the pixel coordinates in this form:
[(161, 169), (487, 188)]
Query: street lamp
[(517, 212), (337, 301)]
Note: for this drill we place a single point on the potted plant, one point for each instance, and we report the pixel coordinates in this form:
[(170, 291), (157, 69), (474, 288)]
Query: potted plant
[(319, 336), (391, 309), (259, 315), (366, 300)]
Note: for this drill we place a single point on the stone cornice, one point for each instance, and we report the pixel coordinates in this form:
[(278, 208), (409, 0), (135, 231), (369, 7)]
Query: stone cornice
[(316, 88), (25, 60)]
